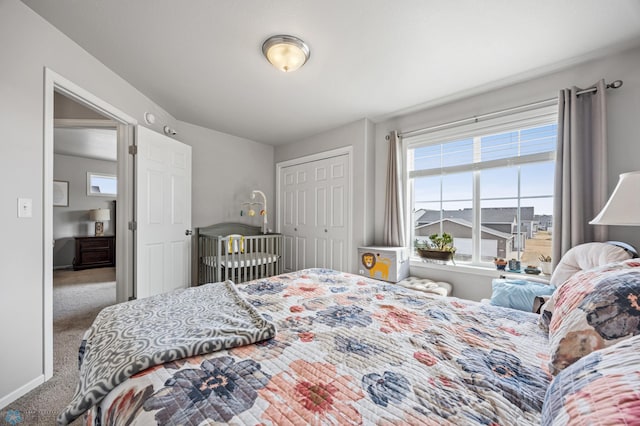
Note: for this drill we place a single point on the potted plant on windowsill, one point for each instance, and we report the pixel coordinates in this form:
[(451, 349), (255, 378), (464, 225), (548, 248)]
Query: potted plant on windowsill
[(545, 264), (500, 263), (439, 247)]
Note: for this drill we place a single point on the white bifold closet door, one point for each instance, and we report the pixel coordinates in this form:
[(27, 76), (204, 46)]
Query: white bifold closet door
[(163, 214), (314, 217)]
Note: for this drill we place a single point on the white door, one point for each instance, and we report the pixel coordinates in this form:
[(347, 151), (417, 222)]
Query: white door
[(163, 213), (314, 217)]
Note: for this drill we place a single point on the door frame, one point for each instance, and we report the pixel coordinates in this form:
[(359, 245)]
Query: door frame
[(54, 82), (345, 150)]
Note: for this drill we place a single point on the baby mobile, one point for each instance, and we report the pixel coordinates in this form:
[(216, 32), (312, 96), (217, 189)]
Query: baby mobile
[(263, 208)]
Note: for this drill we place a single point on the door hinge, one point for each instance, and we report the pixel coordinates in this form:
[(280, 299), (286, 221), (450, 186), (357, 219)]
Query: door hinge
[(133, 149), (133, 226)]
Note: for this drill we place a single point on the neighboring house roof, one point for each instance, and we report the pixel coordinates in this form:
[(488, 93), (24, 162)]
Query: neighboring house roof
[(417, 214), (468, 224), (430, 216), (544, 218), (490, 215), (506, 214)]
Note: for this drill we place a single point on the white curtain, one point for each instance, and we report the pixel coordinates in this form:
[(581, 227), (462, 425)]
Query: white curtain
[(394, 231), (581, 168)]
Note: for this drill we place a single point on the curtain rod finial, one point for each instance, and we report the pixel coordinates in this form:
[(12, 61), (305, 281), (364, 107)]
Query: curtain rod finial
[(615, 84)]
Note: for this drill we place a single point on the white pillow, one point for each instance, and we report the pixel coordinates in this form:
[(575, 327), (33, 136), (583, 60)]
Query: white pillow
[(586, 256)]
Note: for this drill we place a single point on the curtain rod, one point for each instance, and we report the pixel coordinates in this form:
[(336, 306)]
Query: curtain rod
[(613, 85), (547, 102)]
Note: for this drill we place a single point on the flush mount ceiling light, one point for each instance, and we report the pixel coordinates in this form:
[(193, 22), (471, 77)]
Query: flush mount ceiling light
[(285, 52)]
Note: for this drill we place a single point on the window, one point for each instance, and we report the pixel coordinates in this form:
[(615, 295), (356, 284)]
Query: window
[(99, 184), (489, 185)]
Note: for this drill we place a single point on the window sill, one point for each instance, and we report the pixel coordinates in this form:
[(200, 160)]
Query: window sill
[(418, 263)]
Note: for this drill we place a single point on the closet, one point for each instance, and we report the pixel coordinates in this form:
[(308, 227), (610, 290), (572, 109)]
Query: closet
[(314, 219)]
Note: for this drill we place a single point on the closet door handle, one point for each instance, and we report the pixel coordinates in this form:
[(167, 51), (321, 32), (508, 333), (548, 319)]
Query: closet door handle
[(188, 232)]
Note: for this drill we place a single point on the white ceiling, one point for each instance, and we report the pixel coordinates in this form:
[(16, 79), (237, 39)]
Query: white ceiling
[(201, 60), (99, 144)]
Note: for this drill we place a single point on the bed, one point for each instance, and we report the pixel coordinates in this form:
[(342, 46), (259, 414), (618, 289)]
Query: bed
[(353, 350), (235, 251)]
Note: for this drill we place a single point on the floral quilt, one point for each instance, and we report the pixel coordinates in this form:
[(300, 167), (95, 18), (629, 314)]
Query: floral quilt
[(351, 350), (130, 337)]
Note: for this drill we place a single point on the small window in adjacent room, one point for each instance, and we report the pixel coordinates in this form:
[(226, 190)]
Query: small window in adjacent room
[(100, 184), (489, 185)]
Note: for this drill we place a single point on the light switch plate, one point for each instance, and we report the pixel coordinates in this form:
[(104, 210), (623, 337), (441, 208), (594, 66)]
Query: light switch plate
[(25, 207)]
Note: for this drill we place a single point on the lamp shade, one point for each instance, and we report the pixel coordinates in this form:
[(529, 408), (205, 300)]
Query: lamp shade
[(285, 52), (100, 215), (623, 207)]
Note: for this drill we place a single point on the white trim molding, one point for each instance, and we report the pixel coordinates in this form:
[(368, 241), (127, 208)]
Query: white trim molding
[(84, 123), (54, 82), (22, 390)]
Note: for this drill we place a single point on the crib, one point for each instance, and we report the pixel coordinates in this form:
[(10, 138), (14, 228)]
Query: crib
[(237, 252)]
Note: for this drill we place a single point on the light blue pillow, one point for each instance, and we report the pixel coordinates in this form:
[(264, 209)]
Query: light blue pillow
[(518, 294)]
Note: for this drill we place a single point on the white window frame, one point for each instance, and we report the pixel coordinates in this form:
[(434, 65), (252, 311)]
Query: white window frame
[(530, 118), (90, 191)]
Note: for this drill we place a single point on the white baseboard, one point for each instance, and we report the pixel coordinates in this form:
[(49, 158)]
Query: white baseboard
[(63, 267), (23, 390)]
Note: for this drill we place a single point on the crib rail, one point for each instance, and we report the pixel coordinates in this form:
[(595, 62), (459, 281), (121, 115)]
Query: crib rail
[(223, 258)]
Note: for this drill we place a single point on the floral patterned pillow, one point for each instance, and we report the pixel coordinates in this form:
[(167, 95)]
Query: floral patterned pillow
[(594, 311), (603, 385), (580, 279)]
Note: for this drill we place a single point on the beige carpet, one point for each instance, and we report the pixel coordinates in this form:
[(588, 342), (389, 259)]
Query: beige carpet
[(78, 296)]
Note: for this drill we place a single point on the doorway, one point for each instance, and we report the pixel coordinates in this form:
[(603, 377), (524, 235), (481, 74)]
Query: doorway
[(84, 178), (124, 126), (84, 278)]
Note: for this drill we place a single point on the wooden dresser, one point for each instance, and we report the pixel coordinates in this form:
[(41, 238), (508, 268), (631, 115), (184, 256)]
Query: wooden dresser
[(95, 252)]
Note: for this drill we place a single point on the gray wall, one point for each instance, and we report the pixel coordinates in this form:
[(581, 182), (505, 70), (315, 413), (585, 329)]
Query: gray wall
[(73, 221), (623, 113), (358, 135), (35, 44), (67, 108), (29, 45), (225, 170)]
